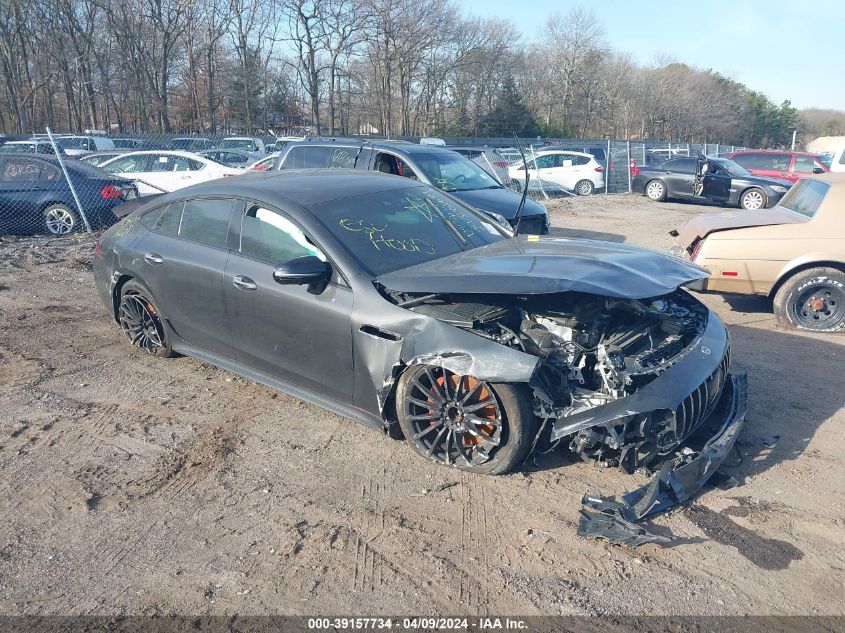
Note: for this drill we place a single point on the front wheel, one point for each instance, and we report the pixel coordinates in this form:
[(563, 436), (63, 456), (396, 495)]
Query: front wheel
[(752, 200), (60, 220), (813, 300), (584, 187), (656, 190), (464, 422)]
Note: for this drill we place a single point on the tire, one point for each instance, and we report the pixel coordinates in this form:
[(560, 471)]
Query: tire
[(812, 300), (59, 219), (655, 190), (584, 187), (142, 322), (495, 446), (753, 199)]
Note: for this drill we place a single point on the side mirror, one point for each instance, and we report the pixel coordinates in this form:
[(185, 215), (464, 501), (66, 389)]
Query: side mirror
[(818, 170), (310, 270)]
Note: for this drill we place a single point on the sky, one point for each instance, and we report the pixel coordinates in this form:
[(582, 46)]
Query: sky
[(786, 49)]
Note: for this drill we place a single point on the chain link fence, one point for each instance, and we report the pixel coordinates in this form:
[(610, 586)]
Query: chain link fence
[(57, 184)]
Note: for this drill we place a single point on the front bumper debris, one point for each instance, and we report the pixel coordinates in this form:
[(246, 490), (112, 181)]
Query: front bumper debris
[(678, 480)]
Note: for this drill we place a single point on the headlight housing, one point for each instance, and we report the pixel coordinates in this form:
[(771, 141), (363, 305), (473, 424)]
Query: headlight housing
[(779, 189)]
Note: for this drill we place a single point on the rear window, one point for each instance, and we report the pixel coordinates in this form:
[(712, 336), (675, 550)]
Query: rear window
[(805, 197)]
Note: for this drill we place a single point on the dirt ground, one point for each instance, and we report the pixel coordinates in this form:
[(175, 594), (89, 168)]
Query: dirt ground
[(136, 485)]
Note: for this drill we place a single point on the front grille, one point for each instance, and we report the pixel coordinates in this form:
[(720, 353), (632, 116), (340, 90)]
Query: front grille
[(695, 408)]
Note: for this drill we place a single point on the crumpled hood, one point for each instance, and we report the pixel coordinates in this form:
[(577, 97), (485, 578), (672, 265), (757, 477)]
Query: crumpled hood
[(528, 264), (703, 224), (502, 201)]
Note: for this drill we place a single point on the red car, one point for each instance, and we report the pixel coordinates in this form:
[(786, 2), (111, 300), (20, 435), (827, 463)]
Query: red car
[(787, 165)]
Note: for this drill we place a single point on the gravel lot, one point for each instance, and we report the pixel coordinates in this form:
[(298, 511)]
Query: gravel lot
[(136, 485)]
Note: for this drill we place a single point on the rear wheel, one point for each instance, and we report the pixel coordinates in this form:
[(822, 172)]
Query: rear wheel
[(753, 199), (464, 422), (656, 190), (813, 300), (60, 220), (584, 187), (141, 321)]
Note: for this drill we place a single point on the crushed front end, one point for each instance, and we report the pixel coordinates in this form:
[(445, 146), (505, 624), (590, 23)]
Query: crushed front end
[(638, 384)]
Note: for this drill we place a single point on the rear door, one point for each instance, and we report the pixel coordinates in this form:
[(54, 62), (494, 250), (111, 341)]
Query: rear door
[(171, 173), (286, 331), (184, 259), (679, 176)]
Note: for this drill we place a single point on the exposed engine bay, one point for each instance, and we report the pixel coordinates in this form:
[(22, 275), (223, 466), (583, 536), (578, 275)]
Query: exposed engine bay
[(594, 350)]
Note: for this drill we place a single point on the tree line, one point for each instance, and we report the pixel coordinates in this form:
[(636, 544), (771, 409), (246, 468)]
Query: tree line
[(395, 67)]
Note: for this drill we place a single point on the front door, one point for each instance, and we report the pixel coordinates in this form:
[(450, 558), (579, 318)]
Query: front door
[(717, 183), (289, 332)]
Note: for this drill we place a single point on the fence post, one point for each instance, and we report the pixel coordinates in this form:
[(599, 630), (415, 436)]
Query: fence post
[(628, 165), (609, 161), (643, 152), (69, 181)]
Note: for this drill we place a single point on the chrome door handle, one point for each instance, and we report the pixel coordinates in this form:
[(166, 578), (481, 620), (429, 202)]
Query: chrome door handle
[(243, 282), (153, 258)]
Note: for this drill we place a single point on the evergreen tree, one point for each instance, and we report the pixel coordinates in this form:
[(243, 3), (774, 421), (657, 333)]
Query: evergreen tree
[(510, 116)]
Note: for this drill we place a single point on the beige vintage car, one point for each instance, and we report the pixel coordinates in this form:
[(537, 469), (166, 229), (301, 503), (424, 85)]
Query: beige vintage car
[(793, 252)]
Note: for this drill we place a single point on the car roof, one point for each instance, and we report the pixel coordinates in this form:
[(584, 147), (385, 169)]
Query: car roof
[(398, 146), (558, 151), (168, 152), (740, 152), (301, 186)]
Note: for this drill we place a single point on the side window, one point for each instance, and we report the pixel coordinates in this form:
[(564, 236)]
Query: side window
[(547, 161), (805, 164), (164, 162), (308, 157), (206, 221), (164, 219), (777, 162), (390, 164), (128, 164), (20, 170), (49, 173), (270, 237), (748, 161), (682, 166)]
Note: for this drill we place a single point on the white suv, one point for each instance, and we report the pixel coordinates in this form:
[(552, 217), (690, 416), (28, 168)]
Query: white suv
[(576, 172)]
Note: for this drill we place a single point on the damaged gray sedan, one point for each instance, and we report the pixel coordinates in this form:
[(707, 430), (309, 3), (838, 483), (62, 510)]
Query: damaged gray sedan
[(392, 303)]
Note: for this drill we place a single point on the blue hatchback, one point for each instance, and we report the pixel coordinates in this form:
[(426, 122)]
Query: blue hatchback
[(35, 196)]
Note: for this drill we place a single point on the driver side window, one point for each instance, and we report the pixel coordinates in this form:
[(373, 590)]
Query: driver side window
[(272, 238)]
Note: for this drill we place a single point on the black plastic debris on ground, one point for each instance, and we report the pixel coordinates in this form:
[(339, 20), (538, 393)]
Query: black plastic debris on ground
[(678, 480)]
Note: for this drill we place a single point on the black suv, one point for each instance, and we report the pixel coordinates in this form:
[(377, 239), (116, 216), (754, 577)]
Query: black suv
[(441, 168)]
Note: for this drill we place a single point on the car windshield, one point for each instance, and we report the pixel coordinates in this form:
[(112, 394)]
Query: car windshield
[(738, 171), (237, 143), (450, 171), (72, 142), (389, 230), (805, 196)]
